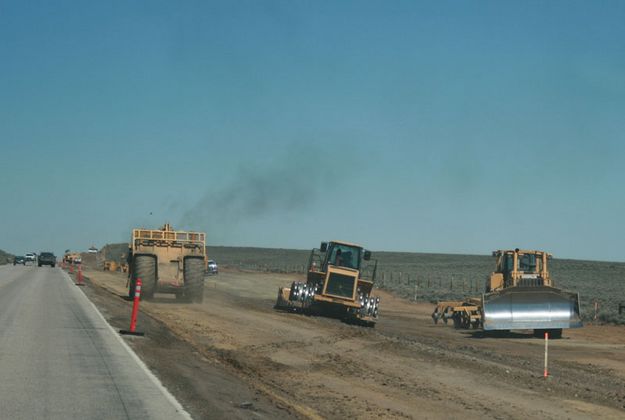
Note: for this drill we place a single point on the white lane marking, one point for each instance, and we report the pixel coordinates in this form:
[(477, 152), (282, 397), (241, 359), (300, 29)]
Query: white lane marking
[(134, 356)]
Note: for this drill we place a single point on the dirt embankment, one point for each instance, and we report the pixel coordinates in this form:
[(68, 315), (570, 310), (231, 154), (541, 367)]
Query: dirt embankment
[(405, 367), (5, 258)]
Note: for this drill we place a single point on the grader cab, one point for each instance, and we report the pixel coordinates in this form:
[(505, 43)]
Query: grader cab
[(519, 295), (339, 282), (167, 261)]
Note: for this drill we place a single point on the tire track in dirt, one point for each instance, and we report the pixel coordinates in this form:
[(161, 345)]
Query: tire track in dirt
[(405, 367)]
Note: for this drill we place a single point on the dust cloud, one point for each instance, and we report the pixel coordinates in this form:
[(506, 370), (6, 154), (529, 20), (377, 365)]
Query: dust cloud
[(292, 182)]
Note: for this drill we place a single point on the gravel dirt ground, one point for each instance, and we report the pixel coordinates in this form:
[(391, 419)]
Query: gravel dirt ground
[(234, 356)]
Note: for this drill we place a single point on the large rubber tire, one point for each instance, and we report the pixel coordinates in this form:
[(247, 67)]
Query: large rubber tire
[(144, 268), (131, 288), (194, 279)]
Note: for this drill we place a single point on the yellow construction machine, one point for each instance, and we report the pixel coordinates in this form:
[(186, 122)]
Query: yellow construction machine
[(72, 257), (110, 266), (339, 283), (519, 295), (167, 261)]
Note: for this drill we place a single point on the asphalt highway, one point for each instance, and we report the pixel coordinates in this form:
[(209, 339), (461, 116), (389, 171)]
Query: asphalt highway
[(59, 359)]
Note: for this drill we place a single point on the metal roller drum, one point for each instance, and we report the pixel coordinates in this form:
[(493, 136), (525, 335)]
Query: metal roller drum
[(520, 308)]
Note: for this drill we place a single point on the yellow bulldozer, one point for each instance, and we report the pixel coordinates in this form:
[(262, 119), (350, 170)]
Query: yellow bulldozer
[(167, 261), (339, 283), (519, 295)]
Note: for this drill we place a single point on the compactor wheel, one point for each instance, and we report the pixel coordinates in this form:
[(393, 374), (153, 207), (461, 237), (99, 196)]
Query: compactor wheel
[(457, 320), (466, 320), (448, 310), (144, 268), (436, 316), (462, 320), (194, 279)]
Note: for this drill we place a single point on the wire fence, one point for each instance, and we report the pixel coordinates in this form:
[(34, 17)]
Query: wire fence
[(432, 277), (408, 285)]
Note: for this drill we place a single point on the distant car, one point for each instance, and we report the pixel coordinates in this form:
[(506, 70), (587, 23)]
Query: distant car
[(211, 267), (19, 260), (46, 258), (30, 257)]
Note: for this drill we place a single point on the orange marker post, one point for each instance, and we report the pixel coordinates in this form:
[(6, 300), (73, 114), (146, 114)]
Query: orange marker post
[(79, 277), (135, 311), (546, 371)]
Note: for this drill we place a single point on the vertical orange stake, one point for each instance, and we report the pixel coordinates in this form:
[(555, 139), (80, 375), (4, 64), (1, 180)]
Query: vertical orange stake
[(546, 371), (79, 277), (135, 310)]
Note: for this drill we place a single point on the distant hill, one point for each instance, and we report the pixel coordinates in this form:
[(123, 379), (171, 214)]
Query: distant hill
[(113, 252), (5, 257)]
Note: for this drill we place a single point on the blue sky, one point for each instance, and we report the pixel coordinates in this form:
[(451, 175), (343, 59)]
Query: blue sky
[(430, 127)]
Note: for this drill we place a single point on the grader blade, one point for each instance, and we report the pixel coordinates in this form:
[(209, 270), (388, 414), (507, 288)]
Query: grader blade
[(520, 308)]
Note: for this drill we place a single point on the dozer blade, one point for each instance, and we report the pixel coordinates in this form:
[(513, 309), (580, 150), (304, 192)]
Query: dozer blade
[(283, 299), (521, 308)]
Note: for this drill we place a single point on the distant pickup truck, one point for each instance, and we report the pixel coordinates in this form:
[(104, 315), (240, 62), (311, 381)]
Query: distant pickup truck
[(46, 258), (211, 267)]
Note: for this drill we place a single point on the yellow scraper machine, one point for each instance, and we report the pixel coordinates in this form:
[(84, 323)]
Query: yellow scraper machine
[(339, 283), (167, 261), (519, 295)]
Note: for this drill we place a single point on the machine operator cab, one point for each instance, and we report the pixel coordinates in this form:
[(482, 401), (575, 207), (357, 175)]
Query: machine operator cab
[(519, 268), (342, 254)]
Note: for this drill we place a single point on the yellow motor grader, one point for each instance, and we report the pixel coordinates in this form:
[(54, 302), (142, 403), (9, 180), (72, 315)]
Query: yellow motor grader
[(167, 261), (338, 283), (519, 295)]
